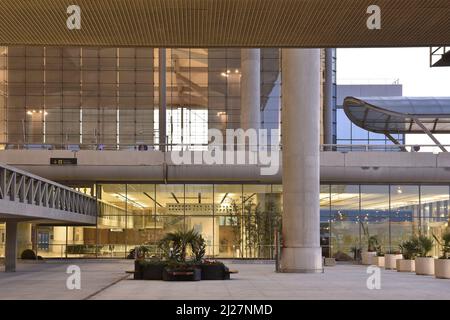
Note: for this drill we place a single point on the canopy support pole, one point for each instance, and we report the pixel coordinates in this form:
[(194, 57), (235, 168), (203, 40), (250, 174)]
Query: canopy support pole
[(428, 132), (395, 141)]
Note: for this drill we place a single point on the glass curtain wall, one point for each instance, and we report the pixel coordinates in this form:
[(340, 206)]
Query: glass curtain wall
[(241, 221), (108, 98)]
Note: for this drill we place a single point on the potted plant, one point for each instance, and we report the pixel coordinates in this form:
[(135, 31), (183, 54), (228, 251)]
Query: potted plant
[(442, 265), (175, 246), (372, 246), (424, 262), (390, 259), (379, 259), (139, 254), (409, 252)]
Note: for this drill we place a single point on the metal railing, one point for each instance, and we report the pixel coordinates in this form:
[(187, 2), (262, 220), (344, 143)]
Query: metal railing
[(129, 147), (23, 187), (201, 147), (382, 147)]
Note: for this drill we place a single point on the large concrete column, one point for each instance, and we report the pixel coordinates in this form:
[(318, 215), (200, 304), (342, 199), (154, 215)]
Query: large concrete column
[(250, 89), (11, 246), (301, 250)]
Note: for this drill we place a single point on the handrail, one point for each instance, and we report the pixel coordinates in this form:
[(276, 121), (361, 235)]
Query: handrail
[(23, 187), (380, 147)]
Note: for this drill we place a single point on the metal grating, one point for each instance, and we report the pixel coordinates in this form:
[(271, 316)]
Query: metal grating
[(225, 23)]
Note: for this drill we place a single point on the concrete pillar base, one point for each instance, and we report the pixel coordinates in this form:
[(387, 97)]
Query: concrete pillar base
[(301, 260), (11, 246)]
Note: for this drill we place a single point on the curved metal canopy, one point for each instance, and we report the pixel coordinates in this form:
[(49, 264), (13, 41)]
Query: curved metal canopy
[(399, 115)]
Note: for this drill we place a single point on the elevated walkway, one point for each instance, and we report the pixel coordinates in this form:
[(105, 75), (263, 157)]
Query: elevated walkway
[(27, 197)]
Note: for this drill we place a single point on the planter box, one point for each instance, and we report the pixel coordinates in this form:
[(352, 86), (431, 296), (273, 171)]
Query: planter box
[(378, 261), (153, 272), (442, 268), (406, 265), (390, 260), (194, 274), (213, 271), (425, 266), (137, 270), (366, 257)]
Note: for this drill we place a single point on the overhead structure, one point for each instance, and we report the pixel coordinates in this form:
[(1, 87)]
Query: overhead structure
[(400, 115), (439, 57), (225, 23)]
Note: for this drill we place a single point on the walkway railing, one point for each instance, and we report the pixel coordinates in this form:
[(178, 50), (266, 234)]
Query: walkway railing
[(23, 187), (201, 147), (382, 147)]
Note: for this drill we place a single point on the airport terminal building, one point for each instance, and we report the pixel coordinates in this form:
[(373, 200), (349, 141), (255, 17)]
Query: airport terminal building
[(106, 122)]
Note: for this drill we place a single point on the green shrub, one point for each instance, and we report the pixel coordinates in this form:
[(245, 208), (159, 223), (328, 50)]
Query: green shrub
[(445, 245), (28, 254), (410, 249), (425, 245), (175, 246)]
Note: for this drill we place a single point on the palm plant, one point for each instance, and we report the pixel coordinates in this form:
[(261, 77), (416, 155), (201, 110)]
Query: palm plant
[(424, 246), (409, 249), (175, 245), (445, 244)]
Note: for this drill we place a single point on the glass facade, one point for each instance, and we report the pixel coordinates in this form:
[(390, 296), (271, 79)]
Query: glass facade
[(99, 98), (240, 221)]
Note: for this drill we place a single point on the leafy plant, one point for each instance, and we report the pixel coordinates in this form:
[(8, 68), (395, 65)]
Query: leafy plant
[(372, 244), (380, 252), (175, 245), (28, 254), (425, 245), (445, 245), (199, 249), (409, 248), (372, 241), (142, 253)]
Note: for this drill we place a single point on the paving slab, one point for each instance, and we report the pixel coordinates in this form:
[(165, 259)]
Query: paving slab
[(106, 279)]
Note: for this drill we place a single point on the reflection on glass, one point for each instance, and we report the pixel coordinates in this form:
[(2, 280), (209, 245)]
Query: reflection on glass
[(434, 212), (374, 216), (325, 217), (228, 201), (404, 213), (345, 227), (240, 221)]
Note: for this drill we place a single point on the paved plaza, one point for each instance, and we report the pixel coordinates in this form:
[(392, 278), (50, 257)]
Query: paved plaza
[(106, 279)]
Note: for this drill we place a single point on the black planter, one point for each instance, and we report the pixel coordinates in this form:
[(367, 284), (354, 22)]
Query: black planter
[(137, 270), (213, 272), (153, 271), (192, 274)]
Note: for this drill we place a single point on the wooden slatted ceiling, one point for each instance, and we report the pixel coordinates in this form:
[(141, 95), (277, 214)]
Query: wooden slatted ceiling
[(225, 23)]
